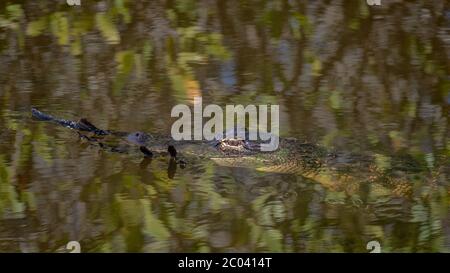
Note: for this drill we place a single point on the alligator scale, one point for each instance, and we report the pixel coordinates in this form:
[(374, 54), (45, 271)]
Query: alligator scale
[(335, 171)]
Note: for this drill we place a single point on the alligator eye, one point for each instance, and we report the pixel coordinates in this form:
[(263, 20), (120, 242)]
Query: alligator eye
[(137, 134)]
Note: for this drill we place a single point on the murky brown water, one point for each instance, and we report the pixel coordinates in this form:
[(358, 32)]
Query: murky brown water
[(348, 76)]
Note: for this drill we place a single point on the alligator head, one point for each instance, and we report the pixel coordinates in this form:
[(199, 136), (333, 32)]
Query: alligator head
[(236, 146)]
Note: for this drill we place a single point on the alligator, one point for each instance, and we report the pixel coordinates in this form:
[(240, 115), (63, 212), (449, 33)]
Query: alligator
[(335, 171)]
